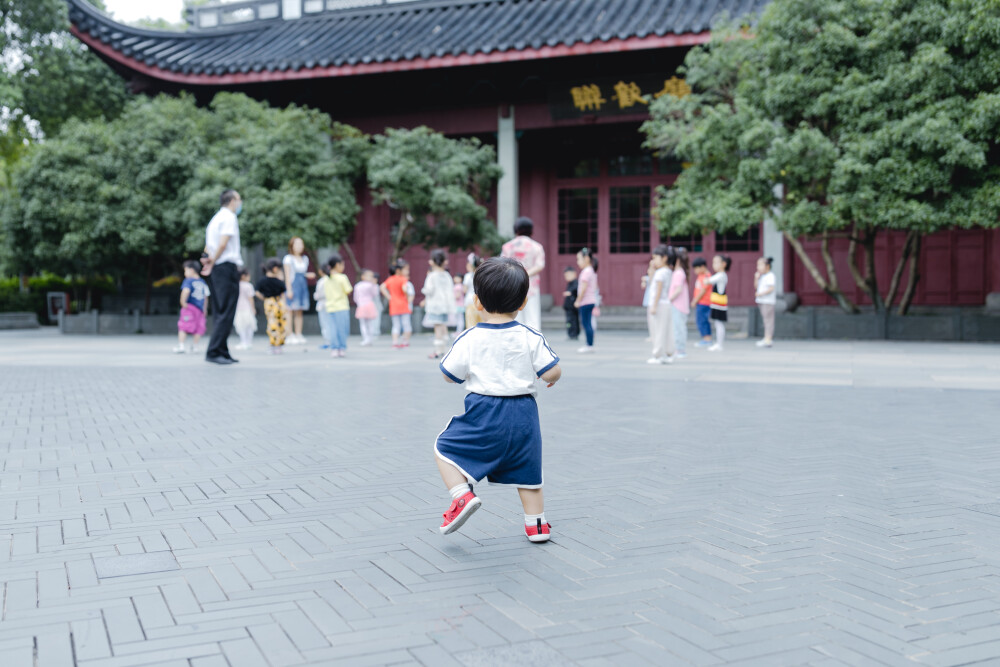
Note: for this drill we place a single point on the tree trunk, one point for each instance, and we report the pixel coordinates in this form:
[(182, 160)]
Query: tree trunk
[(914, 278), (867, 281), (400, 244), (23, 283), (149, 282), (354, 260), (814, 271), (831, 270), (871, 278), (897, 275)]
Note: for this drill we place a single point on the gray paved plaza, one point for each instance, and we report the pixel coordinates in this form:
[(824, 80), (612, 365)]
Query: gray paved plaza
[(818, 503)]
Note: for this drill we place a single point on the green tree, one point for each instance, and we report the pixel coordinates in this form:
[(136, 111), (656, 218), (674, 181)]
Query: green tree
[(438, 184), (107, 197), (870, 115), (48, 75), (132, 197), (294, 168)]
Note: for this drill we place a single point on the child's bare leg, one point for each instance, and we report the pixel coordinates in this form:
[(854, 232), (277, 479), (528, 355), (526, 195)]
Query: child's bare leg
[(533, 500), (451, 475), (197, 337), (181, 337), (440, 337)]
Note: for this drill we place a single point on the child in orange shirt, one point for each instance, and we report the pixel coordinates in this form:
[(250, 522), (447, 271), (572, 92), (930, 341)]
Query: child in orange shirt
[(400, 303), (702, 300)]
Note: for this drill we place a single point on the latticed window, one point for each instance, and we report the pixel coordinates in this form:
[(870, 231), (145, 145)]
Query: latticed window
[(630, 221), (577, 220), (746, 242)]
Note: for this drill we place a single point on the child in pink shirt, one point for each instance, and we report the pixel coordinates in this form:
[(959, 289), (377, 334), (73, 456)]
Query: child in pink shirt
[(680, 298), (365, 295)]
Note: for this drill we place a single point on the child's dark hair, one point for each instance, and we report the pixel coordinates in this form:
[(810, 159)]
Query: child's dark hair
[(698, 261), (593, 258), (501, 284), (334, 260), (244, 272), (439, 257), (682, 259), (662, 251), (524, 226), (271, 264), (569, 268), (193, 265), (474, 259), (767, 260), (398, 266), (727, 261)]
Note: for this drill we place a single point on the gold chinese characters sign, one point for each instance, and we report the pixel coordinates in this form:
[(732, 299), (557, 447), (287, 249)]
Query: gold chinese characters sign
[(612, 97)]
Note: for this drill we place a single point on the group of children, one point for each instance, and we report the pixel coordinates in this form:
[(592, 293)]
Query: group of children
[(447, 302), (668, 302)]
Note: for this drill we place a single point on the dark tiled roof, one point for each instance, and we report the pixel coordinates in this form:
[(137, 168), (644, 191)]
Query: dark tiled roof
[(405, 32)]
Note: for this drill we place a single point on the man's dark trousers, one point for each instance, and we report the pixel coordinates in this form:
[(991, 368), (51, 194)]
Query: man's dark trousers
[(572, 323), (224, 282)]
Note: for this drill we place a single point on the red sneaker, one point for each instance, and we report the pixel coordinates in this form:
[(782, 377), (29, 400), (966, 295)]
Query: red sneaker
[(459, 512), (539, 533)]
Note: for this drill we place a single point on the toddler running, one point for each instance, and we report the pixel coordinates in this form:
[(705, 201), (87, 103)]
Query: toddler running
[(498, 437)]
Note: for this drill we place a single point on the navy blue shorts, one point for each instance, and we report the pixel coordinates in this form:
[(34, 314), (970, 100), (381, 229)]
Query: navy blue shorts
[(498, 438)]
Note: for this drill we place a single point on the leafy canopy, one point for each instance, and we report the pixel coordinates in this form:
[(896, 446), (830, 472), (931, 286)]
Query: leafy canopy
[(106, 197), (438, 184), (871, 114)]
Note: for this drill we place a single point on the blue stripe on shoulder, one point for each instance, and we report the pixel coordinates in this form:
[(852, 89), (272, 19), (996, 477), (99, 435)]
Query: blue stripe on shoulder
[(450, 376), (544, 342), (460, 337)]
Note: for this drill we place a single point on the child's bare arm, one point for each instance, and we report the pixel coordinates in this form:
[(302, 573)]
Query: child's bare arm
[(551, 376), (185, 293), (259, 295)]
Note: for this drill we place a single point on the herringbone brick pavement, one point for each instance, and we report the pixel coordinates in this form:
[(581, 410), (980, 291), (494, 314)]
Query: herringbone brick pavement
[(814, 504)]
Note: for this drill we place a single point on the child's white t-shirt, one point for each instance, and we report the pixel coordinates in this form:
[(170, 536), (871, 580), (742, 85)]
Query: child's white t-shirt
[(662, 276), (765, 281), (470, 291), (499, 359), (440, 292)]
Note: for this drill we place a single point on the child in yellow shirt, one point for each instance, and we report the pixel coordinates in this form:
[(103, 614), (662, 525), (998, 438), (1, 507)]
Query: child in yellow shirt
[(338, 308)]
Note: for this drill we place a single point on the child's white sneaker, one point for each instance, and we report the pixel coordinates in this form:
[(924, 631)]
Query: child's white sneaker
[(180, 349), (763, 343), (715, 348), (586, 349), (654, 361)]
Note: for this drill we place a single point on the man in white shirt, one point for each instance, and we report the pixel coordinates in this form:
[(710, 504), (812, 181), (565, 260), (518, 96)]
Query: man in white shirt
[(221, 266), (531, 254)]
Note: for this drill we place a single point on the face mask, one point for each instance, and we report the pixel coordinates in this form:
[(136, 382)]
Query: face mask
[(239, 209)]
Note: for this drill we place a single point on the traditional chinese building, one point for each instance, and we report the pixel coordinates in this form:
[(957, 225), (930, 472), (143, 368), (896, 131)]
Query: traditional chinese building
[(559, 87)]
